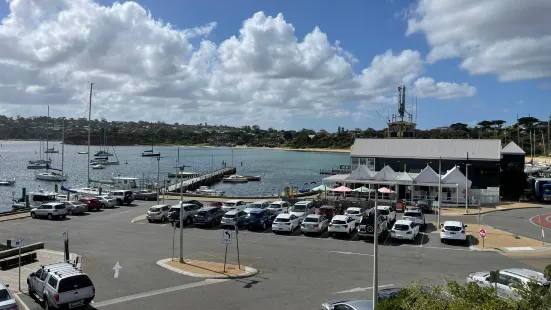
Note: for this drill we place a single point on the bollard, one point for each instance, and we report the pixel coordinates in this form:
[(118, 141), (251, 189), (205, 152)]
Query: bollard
[(23, 192), (27, 203), (56, 188), (8, 244)]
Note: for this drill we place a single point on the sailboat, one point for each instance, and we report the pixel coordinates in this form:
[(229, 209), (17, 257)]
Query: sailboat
[(150, 153), (49, 150), (103, 152), (40, 163), (105, 160), (52, 175)]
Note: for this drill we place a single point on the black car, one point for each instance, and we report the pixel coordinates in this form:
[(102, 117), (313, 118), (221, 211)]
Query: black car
[(208, 216), (425, 205), (193, 202), (145, 195)]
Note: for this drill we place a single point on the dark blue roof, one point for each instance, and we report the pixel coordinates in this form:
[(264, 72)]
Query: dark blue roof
[(256, 211)]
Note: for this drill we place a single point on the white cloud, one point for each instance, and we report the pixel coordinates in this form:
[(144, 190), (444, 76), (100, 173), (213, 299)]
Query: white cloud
[(508, 38), (143, 68), (426, 87)]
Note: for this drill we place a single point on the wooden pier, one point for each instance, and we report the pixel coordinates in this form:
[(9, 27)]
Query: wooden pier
[(202, 180)]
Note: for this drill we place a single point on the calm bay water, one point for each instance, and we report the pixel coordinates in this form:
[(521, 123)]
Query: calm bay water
[(278, 169)]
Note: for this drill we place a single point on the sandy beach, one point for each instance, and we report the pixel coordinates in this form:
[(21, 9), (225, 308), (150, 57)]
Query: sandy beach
[(292, 149), (538, 159)]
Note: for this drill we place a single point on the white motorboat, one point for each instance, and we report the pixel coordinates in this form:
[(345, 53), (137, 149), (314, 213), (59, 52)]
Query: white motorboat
[(98, 166), (7, 182), (51, 176), (235, 179), (205, 190)]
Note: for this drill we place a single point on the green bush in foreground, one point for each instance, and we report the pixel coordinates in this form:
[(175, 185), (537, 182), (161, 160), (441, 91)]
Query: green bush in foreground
[(455, 296)]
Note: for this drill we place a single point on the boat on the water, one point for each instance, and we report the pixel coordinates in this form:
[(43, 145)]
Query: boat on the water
[(51, 176), (207, 191), (40, 161), (83, 153), (235, 179), (103, 153), (7, 183), (97, 166), (150, 154), (183, 175), (252, 177), (38, 166)]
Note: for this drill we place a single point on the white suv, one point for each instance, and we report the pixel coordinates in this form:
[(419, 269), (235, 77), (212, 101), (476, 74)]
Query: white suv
[(302, 208), (388, 212), (453, 230), (51, 210), (508, 279)]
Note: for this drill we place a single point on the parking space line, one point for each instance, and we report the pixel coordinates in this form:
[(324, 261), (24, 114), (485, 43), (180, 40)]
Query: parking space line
[(156, 292), (351, 253), (362, 289), (422, 239), (387, 238)]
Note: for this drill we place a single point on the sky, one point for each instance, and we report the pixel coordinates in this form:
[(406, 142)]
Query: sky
[(315, 64)]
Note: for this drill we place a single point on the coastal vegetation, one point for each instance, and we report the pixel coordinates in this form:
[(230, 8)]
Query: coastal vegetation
[(132, 133)]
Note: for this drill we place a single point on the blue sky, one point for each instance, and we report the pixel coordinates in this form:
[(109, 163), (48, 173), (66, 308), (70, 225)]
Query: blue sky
[(366, 29)]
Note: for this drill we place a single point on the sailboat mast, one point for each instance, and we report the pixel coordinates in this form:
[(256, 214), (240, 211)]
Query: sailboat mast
[(178, 156), (62, 149), (48, 132), (89, 128)]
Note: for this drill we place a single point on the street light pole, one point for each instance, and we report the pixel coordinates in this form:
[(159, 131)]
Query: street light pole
[(375, 255), (439, 188), (467, 188), (158, 180)]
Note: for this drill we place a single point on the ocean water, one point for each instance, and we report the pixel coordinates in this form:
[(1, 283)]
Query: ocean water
[(277, 168)]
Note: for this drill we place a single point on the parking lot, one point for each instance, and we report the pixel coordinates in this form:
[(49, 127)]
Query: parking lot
[(296, 271)]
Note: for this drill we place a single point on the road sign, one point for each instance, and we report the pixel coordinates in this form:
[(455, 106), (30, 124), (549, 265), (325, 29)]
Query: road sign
[(482, 233), (226, 236), (19, 242), (64, 236)]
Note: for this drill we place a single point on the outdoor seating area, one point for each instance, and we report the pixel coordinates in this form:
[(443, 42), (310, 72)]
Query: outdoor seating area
[(392, 185)]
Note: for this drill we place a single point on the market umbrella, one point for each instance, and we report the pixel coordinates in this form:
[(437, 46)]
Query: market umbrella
[(320, 188), (363, 189), (385, 190), (341, 189)]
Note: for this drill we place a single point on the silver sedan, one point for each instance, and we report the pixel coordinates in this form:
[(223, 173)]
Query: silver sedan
[(75, 207)]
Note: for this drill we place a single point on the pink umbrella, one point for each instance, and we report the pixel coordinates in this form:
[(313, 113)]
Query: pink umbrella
[(342, 189), (385, 190)]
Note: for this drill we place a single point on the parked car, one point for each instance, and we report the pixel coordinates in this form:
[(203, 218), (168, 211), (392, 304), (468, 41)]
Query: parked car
[(260, 218), (302, 208), (50, 210), (91, 202), (285, 222), (314, 223), (75, 207), (279, 207), (192, 202), (61, 285), (368, 228), (425, 205), (145, 195), (189, 211), (234, 204), (157, 213), (509, 280), (415, 216), (404, 230), (388, 212), (233, 218), (355, 213), (261, 204), (328, 211), (106, 201), (360, 304), (208, 216), (7, 302), (122, 196), (453, 230), (341, 224), (217, 204)]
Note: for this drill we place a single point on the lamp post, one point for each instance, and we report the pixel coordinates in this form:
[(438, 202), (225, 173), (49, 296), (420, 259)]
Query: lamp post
[(467, 188), (375, 256), (439, 188), (158, 179)]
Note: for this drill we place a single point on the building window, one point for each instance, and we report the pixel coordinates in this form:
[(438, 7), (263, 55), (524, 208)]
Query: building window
[(371, 164), (355, 163)]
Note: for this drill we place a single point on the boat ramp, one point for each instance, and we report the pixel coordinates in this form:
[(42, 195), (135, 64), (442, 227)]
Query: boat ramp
[(204, 179)]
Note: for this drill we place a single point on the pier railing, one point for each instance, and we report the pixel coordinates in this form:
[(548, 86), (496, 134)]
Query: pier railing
[(204, 179)]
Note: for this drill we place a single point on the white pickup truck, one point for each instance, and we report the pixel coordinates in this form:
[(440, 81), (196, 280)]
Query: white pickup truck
[(61, 285)]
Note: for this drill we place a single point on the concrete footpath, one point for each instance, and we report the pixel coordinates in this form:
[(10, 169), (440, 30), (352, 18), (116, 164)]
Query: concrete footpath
[(502, 241), (16, 216), (451, 211)]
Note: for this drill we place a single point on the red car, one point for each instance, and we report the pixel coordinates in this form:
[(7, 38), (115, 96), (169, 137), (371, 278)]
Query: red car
[(91, 203)]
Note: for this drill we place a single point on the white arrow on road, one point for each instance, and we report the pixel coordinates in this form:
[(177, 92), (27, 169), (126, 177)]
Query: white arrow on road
[(117, 268), (362, 289)]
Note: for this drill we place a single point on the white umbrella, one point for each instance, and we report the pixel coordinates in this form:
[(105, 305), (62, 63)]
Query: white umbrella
[(321, 188), (363, 189)]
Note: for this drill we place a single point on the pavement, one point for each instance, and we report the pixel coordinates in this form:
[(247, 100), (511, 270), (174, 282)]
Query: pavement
[(501, 240), (295, 271), (475, 210), (16, 216)]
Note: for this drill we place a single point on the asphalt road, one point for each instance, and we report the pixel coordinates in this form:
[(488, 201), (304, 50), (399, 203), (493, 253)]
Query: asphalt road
[(296, 272), (518, 222)]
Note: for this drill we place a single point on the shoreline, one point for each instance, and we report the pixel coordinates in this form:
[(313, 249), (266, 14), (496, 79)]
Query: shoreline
[(319, 150)]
